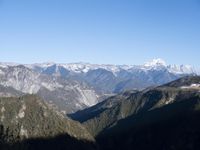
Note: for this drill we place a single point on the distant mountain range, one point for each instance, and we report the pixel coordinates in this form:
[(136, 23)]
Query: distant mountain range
[(117, 78), (115, 69), (75, 86)]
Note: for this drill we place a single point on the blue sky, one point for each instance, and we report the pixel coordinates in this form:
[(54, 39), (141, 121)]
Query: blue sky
[(100, 31)]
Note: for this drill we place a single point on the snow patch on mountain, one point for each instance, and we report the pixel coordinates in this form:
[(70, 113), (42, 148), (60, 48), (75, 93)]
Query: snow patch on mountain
[(85, 67), (7, 64), (155, 62), (43, 65), (182, 69), (192, 86)]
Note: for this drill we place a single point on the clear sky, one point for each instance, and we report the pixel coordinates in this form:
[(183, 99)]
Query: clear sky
[(100, 31)]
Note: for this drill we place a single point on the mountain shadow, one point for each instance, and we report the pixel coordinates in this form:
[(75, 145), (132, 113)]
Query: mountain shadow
[(60, 142), (174, 126)]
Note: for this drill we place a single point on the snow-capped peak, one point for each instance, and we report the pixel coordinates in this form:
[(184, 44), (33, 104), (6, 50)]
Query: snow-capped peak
[(182, 69), (155, 62), (45, 64), (6, 64)]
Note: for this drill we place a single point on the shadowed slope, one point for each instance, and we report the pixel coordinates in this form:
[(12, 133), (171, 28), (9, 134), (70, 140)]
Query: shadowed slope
[(175, 126), (29, 123)]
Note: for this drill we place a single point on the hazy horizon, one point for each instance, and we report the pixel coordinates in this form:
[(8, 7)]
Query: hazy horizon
[(80, 62)]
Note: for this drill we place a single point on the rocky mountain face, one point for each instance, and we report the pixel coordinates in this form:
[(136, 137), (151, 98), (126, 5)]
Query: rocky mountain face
[(73, 87), (9, 92), (26, 122), (67, 95), (108, 113)]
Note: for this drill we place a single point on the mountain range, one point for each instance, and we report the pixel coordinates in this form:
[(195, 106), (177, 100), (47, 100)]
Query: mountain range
[(162, 117), (75, 86)]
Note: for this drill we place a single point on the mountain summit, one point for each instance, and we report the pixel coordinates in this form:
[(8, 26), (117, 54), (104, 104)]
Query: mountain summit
[(156, 62)]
